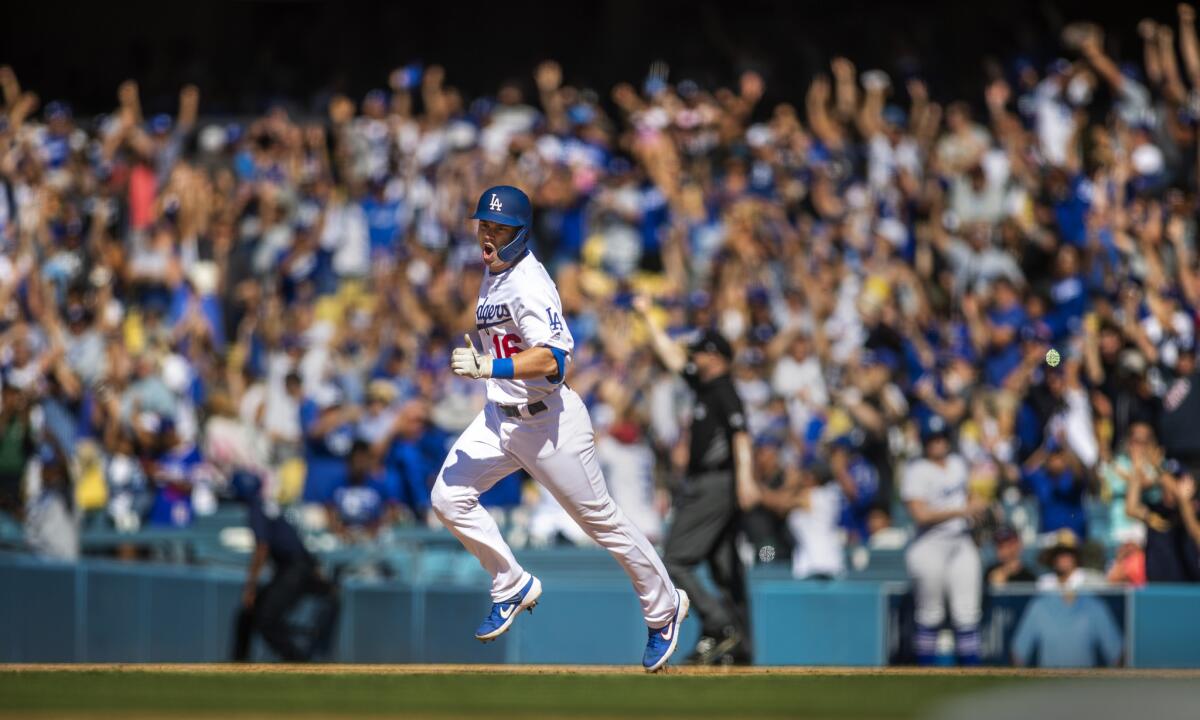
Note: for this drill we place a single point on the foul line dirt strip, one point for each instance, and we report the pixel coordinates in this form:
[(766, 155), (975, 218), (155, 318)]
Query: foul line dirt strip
[(461, 669), (227, 715)]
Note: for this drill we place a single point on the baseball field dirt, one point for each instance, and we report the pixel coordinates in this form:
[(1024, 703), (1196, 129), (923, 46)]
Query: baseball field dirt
[(199, 692)]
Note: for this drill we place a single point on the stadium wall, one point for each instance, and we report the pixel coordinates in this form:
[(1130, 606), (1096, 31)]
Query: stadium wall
[(104, 611)]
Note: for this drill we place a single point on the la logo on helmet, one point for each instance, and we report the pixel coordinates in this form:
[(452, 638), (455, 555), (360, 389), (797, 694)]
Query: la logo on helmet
[(495, 204)]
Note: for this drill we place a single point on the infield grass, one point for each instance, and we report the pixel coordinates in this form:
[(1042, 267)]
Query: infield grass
[(344, 693)]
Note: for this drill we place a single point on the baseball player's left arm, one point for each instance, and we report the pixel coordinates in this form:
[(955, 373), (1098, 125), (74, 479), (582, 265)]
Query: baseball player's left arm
[(536, 362)]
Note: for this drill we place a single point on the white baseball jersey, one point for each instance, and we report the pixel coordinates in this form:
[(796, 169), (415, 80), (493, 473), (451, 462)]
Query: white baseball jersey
[(519, 309), (941, 487)]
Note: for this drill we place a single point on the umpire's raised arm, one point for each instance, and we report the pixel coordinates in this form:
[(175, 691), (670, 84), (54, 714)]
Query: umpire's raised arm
[(669, 352), (723, 397)]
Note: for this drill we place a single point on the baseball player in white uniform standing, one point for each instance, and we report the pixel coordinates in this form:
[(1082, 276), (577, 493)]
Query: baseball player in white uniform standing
[(534, 421), (942, 559)]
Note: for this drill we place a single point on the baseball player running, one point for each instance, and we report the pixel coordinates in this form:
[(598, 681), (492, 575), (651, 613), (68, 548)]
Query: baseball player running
[(534, 421), (942, 559)]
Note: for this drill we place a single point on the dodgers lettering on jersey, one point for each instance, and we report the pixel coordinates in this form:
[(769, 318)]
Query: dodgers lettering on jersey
[(519, 309), (941, 487)]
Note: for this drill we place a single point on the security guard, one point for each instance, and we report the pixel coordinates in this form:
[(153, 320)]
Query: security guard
[(295, 576)]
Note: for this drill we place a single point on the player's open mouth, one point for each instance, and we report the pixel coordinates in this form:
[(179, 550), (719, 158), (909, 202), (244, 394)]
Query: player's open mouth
[(489, 252)]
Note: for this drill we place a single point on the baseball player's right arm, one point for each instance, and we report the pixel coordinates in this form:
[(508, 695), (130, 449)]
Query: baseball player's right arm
[(524, 365), (669, 352)]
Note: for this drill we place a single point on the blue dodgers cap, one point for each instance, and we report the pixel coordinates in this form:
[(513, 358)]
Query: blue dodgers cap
[(846, 441), (934, 427), (507, 205), (480, 109), (894, 115), (581, 114), (160, 123), (58, 110), (246, 487)]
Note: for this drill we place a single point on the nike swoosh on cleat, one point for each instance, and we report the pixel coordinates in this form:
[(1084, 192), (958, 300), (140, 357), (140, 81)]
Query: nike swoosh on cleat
[(505, 612), (668, 631)]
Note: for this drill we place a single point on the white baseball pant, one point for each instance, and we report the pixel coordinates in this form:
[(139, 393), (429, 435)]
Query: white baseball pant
[(941, 568), (557, 448)]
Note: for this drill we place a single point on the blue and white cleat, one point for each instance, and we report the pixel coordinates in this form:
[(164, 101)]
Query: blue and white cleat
[(503, 613), (663, 640)]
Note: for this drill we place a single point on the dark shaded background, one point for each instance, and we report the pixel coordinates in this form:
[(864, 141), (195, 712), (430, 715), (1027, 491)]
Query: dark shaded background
[(247, 54)]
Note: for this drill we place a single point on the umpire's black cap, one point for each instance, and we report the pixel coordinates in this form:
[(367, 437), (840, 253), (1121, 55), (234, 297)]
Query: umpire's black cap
[(713, 342)]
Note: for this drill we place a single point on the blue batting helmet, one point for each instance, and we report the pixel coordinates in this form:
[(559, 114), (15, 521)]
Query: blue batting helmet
[(507, 205)]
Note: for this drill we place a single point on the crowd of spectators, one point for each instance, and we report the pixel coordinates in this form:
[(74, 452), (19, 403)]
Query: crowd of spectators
[(182, 299)]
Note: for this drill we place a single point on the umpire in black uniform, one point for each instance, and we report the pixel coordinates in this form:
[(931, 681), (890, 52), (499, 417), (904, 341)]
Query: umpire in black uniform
[(718, 487), (296, 575)]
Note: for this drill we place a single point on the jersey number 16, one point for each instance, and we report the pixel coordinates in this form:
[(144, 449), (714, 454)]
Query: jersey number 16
[(505, 345)]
